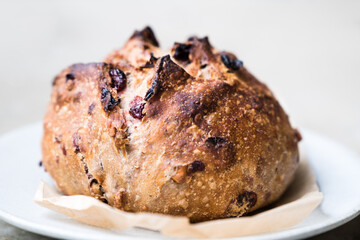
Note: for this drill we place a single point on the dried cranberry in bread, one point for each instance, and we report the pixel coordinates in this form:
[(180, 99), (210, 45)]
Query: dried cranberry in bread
[(189, 133)]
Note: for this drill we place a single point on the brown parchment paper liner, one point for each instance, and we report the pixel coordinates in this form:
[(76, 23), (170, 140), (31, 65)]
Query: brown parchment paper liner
[(297, 203)]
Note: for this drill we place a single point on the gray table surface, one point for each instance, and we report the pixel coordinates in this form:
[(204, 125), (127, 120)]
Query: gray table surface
[(307, 52)]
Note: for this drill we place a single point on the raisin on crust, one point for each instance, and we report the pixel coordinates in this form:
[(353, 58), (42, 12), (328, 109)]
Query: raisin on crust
[(189, 132)]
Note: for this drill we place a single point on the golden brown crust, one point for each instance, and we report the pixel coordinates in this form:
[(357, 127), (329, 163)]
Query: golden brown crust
[(192, 133)]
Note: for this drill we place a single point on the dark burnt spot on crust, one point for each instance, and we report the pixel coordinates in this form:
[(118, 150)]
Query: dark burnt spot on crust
[(297, 135), (118, 79), (230, 61), (153, 59), (58, 139), (247, 198), (182, 52), (69, 76), (137, 107), (221, 150), (147, 35), (92, 180), (108, 101), (86, 169), (196, 166), (200, 51), (152, 90), (61, 145), (151, 63), (40, 163), (63, 149), (76, 142), (95, 187), (202, 66), (156, 83), (241, 204), (102, 196), (148, 64), (91, 108), (215, 142), (168, 75)]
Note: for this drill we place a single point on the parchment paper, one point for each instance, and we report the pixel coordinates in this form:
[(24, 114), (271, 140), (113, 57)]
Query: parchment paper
[(297, 203)]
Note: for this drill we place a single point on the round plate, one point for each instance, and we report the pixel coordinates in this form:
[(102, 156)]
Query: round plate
[(336, 168)]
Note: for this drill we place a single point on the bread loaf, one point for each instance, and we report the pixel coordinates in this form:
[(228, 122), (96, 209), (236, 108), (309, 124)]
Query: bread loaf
[(189, 132)]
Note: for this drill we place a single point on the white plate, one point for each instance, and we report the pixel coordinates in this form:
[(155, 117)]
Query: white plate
[(337, 170)]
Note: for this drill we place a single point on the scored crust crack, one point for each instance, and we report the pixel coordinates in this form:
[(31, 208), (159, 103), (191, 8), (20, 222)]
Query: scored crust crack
[(189, 132)]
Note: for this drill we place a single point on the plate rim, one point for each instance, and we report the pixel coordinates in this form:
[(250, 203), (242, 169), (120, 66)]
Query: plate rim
[(303, 232), (281, 234)]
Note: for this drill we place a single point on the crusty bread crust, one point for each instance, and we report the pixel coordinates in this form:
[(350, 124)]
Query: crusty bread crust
[(192, 133)]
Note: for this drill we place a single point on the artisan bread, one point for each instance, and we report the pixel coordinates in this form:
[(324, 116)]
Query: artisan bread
[(189, 132)]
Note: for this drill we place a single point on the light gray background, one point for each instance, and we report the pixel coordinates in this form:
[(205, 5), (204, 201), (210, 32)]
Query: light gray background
[(308, 52)]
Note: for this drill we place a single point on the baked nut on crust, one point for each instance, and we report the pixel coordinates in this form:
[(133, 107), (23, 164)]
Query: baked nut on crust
[(189, 133)]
